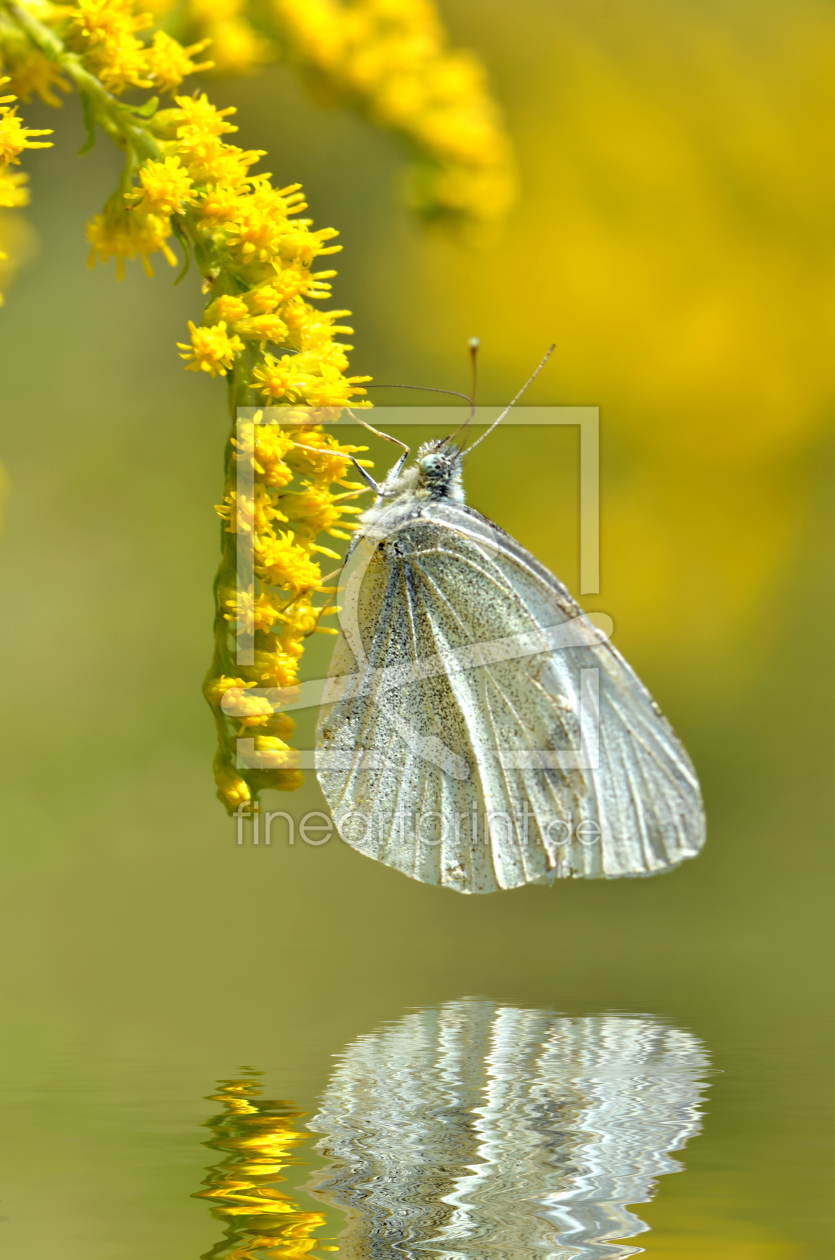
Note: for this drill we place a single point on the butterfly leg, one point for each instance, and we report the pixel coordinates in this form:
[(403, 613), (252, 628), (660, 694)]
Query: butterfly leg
[(366, 476)]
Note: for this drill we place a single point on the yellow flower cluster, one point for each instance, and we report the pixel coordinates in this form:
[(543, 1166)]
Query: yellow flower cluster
[(184, 180), (256, 1137), (256, 258), (239, 46), (14, 138), (29, 69), (390, 57), (286, 503), (390, 60), (105, 32)]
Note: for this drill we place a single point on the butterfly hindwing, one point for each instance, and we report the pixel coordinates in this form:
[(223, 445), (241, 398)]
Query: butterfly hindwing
[(470, 771)]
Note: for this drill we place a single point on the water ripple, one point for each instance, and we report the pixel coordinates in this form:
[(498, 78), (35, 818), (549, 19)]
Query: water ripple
[(474, 1131)]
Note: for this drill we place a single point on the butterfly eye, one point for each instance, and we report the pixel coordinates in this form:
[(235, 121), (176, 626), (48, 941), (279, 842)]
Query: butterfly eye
[(431, 463)]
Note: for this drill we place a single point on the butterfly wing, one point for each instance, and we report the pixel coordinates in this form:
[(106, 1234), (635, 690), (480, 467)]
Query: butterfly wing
[(478, 733)]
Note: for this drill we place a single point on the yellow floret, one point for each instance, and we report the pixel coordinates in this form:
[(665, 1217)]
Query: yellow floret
[(211, 349), (168, 62), (14, 137), (122, 233), (166, 188)]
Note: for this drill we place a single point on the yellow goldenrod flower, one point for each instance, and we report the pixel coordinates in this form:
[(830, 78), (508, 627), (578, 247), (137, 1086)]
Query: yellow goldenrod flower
[(122, 233), (389, 57), (13, 190), (271, 753), (194, 116), (256, 255), (232, 787), (211, 349), (14, 137), (227, 308), (316, 511), (274, 665), (220, 686), (262, 228), (274, 377), (168, 62), (390, 60), (270, 451), (249, 514), (247, 710), (284, 564), (218, 206), (330, 461), (262, 328), (290, 282), (320, 384), (263, 300), (259, 613), (166, 188), (105, 31), (210, 161), (29, 70)]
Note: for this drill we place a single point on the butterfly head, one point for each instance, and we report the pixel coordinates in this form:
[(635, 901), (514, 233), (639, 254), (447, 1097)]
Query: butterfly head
[(435, 474), (438, 469)]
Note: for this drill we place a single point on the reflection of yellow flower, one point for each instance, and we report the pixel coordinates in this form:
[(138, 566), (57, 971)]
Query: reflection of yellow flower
[(256, 1138)]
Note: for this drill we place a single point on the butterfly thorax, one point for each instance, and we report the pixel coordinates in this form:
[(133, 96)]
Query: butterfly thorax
[(435, 474)]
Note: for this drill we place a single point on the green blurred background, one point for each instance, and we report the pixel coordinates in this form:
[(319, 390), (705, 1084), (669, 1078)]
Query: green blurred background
[(676, 239)]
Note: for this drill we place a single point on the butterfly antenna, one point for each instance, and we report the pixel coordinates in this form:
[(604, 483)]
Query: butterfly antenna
[(473, 345), (514, 401), (432, 389)]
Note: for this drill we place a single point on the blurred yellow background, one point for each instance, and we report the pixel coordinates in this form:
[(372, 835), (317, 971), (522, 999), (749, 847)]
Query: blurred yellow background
[(674, 237)]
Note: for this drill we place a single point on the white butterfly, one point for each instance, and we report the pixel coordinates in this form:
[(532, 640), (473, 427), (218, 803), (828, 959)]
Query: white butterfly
[(476, 730)]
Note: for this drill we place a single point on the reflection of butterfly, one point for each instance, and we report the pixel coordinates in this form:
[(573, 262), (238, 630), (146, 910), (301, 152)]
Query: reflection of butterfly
[(472, 1130), (477, 731)]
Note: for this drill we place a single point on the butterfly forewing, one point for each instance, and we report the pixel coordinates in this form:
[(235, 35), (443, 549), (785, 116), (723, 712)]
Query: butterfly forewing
[(459, 745)]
